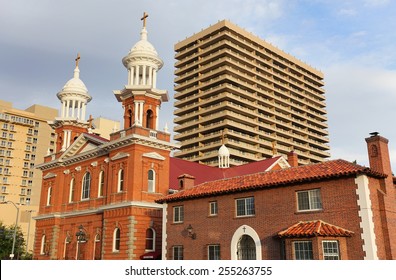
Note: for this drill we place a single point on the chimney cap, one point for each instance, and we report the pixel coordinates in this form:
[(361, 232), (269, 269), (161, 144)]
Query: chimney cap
[(375, 133)]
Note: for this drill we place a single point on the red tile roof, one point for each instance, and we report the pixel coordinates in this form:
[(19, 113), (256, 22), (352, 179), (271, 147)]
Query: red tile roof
[(300, 174), (314, 228), (204, 173)]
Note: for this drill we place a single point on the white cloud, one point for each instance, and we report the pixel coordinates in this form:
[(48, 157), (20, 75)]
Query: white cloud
[(347, 12), (376, 3)]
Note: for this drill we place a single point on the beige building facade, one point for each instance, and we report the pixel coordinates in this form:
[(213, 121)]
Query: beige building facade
[(25, 138), (233, 88)]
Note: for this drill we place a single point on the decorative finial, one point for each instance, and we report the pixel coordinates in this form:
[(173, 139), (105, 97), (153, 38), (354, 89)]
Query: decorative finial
[(145, 15), (77, 59)]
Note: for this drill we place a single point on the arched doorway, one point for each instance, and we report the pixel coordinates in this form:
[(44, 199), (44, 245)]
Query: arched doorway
[(246, 248), (245, 244)]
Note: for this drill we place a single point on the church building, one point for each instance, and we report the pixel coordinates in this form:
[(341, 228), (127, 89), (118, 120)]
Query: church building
[(97, 199), (334, 210)]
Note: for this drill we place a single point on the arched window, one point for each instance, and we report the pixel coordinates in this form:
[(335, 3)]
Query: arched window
[(42, 245), (97, 248), (130, 114), (101, 183), (149, 119), (86, 186), (150, 239), (71, 190), (49, 194), (66, 248), (151, 180), (116, 240), (120, 185), (246, 248)]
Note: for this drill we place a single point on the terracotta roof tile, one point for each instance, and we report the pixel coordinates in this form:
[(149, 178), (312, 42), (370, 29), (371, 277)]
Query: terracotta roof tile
[(314, 228), (292, 175)]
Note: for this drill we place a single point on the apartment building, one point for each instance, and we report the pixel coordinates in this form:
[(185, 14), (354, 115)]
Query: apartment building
[(265, 101), (25, 138)]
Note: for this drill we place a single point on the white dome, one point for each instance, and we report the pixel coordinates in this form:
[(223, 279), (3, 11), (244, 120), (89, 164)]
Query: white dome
[(75, 86), (142, 51), (223, 151), (143, 47)]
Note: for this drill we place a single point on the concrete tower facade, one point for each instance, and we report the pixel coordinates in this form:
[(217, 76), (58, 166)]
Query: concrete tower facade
[(263, 99)]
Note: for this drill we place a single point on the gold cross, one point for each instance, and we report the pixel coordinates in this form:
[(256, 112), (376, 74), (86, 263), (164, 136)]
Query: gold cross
[(145, 15), (77, 59)]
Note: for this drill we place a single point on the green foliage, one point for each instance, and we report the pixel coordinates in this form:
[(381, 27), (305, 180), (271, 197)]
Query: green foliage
[(6, 241)]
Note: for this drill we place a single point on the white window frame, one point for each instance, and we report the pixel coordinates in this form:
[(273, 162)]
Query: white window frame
[(178, 214), (42, 245), (247, 211), (120, 180), (308, 243), (152, 240), (101, 183), (177, 252), (313, 196), (151, 181), (71, 190), (49, 194), (116, 240), (213, 208), (215, 252), (331, 253), (86, 186)]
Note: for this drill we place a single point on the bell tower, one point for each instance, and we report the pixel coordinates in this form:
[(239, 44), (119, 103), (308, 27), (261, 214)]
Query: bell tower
[(72, 121), (141, 100)]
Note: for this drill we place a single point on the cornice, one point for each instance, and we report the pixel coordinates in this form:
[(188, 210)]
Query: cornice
[(99, 210)]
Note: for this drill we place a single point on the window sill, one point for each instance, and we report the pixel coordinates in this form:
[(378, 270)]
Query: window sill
[(246, 216), (308, 211)]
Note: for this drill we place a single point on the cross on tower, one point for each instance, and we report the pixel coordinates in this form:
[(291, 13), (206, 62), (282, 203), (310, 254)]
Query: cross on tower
[(77, 59), (90, 121), (145, 15)]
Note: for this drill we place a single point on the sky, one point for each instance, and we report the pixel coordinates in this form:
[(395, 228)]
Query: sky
[(352, 42)]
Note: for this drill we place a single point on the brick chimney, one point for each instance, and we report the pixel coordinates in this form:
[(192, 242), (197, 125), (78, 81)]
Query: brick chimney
[(378, 154), (379, 159), (186, 181), (292, 159)]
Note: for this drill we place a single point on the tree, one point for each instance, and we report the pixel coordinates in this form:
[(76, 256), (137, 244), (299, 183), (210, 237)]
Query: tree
[(6, 240)]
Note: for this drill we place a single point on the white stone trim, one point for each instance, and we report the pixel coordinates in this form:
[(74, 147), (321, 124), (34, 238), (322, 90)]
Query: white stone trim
[(164, 230), (120, 155), (153, 155), (242, 230), (49, 175), (366, 216), (100, 209)]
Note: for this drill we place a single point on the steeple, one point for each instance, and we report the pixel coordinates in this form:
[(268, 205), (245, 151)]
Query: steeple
[(140, 98), (74, 98)]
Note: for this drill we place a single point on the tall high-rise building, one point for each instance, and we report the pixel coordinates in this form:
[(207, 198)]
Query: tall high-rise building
[(262, 100), (25, 138)]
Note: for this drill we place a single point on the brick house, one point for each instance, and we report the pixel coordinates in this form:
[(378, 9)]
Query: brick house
[(330, 210), (97, 199)]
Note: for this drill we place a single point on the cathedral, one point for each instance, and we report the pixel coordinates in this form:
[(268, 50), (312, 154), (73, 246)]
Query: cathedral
[(97, 198)]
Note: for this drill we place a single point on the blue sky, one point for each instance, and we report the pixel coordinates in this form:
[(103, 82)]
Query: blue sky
[(352, 42)]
